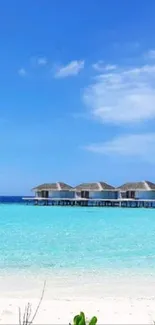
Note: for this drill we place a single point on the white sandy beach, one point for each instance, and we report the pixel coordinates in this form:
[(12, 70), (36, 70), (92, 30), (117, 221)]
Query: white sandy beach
[(108, 310), (115, 300)]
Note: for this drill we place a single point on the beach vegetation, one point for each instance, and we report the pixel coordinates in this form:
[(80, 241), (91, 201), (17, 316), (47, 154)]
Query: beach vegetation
[(28, 317), (81, 320)]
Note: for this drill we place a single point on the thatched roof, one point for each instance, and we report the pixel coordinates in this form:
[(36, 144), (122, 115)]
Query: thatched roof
[(137, 186), (98, 186), (59, 186)]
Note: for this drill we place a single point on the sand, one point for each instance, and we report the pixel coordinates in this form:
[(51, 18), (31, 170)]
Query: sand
[(108, 310), (114, 300)]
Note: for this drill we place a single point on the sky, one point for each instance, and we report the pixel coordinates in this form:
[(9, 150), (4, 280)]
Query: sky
[(77, 92)]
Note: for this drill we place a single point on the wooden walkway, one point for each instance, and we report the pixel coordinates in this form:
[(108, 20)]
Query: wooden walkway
[(124, 203)]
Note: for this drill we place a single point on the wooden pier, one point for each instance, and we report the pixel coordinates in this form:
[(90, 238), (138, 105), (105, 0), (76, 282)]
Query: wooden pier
[(123, 203)]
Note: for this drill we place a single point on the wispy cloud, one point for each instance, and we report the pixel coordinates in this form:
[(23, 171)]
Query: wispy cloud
[(150, 54), (38, 61), (101, 67), (22, 72), (110, 67), (98, 66), (42, 61), (133, 145), (71, 69), (122, 95)]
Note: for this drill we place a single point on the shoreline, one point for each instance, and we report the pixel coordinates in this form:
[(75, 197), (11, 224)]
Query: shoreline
[(76, 283), (99, 263)]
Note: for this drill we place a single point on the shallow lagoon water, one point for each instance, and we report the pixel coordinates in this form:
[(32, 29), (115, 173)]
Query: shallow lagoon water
[(56, 238)]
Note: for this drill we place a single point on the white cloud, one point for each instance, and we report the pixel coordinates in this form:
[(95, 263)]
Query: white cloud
[(123, 95), (133, 145), (71, 69), (100, 67), (22, 72), (42, 61)]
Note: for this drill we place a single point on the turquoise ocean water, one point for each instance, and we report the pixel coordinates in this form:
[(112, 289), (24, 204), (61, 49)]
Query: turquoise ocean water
[(68, 238)]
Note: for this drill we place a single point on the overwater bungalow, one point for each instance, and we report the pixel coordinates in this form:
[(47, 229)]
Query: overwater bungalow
[(57, 190), (144, 190), (136, 194), (98, 190)]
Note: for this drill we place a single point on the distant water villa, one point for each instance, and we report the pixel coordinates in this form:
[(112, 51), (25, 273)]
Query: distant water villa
[(136, 194)]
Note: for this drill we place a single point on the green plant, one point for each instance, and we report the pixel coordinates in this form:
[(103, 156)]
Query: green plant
[(81, 320)]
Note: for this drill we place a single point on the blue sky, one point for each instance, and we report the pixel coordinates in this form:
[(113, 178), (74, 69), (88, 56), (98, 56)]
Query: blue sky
[(77, 99)]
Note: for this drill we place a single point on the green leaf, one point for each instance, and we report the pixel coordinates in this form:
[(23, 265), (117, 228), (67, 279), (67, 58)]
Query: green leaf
[(93, 321), (82, 321), (77, 319)]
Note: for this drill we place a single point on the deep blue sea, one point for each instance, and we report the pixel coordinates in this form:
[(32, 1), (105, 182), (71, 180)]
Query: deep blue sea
[(11, 199), (54, 238)]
